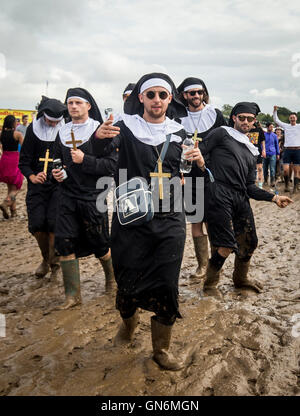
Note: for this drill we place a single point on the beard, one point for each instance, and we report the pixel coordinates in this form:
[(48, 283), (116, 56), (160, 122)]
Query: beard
[(194, 102), (243, 128)]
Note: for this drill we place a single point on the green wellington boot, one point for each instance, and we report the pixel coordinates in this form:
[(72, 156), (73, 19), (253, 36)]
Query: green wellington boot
[(110, 282), (71, 277)]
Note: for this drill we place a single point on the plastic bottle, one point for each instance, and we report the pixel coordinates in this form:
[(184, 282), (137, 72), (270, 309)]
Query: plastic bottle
[(186, 165)]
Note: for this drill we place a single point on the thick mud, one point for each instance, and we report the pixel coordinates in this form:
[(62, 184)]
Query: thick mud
[(240, 343)]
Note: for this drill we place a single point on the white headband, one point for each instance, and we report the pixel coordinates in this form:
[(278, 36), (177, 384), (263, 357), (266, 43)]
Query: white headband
[(78, 98), (155, 82), (53, 118), (127, 92), (190, 87)]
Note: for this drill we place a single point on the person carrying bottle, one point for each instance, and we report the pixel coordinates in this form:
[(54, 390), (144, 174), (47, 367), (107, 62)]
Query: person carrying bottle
[(200, 120), (147, 257)]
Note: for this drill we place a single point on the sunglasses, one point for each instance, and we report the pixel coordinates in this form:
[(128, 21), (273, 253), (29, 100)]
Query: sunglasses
[(162, 94), (249, 118), (193, 93)]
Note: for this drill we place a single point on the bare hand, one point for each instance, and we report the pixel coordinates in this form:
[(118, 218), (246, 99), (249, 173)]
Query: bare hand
[(77, 155), (107, 130), (282, 201), (275, 107), (195, 155), (39, 178), (263, 153), (58, 174)]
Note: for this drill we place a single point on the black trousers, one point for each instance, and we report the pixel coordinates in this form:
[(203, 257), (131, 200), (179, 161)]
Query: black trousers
[(230, 220)]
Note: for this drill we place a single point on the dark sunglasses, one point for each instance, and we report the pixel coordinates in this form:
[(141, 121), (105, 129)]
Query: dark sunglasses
[(199, 92), (249, 118), (162, 94)]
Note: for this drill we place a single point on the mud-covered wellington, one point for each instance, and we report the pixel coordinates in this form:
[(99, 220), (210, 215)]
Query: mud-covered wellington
[(126, 330), (43, 242), (240, 278), (4, 208), (110, 282), (212, 277), (71, 277), (201, 251), (161, 337)]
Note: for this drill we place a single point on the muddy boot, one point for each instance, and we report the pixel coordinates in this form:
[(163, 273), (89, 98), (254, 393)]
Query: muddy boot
[(296, 185), (272, 184), (240, 278), (161, 336), (13, 207), (4, 208), (71, 277), (286, 183), (43, 242), (54, 263), (212, 278), (126, 330), (110, 282), (201, 250)]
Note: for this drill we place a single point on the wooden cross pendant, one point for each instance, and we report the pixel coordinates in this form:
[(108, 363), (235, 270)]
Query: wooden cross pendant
[(73, 141), (160, 175), (46, 159), (195, 138)]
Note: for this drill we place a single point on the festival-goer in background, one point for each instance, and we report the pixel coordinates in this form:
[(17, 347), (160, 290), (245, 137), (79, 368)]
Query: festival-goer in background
[(81, 229), (42, 194), (291, 152), (203, 117), (23, 127), (272, 154), (147, 257), (257, 137), (9, 171), (231, 225), (126, 93), (279, 169)]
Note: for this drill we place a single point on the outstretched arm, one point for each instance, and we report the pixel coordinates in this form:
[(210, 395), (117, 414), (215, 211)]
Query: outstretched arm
[(276, 119)]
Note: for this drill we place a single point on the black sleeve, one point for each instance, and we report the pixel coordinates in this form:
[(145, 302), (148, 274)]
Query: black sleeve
[(253, 191), (102, 166), (27, 153), (212, 140)]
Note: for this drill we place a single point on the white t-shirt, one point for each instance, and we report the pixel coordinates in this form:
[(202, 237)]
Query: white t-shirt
[(291, 133)]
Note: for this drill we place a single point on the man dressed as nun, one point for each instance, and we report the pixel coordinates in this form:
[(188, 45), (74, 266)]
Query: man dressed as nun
[(147, 257), (201, 119), (230, 219), (36, 159), (81, 229)]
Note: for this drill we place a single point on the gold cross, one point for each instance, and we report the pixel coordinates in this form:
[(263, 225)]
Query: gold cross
[(73, 141), (46, 160), (195, 138), (160, 175)]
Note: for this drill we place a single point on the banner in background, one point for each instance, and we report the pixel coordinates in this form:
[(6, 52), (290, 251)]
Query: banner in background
[(17, 113)]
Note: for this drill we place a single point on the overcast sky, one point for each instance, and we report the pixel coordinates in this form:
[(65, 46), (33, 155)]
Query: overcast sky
[(243, 50)]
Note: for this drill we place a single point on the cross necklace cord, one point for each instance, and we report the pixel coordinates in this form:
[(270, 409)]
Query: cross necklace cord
[(196, 126), (160, 174)]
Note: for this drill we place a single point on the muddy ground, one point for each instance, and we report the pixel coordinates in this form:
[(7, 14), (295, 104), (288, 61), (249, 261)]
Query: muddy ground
[(240, 344)]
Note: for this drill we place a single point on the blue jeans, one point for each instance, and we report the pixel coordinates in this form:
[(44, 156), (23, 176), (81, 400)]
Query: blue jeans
[(269, 161)]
